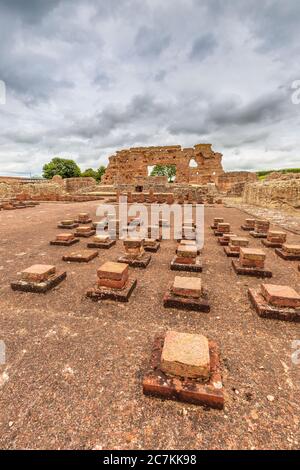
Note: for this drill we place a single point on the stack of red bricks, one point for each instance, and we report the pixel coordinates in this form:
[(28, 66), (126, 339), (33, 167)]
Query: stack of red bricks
[(249, 225), (276, 302), (235, 244), (275, 239), (261, 229), (251, 262)]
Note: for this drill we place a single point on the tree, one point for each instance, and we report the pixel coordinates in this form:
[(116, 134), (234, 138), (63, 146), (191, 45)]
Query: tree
[(96, 174), (89, 172), (100, 172), (64, 167), (165, 170)]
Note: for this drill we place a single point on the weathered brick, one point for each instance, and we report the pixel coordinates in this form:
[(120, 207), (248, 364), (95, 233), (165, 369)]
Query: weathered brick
[(150, 242), (67, 222), (83, 216), (101, 238), (252, 257), (187, 286), (112, 283), (38, 273), (276, 236), (223, 227), (133, 242), (262, 226), (114, 271), (293, 249), (236, 243), (187, 251), (280, 296), (186, 355), (64, 237), (83, 229)]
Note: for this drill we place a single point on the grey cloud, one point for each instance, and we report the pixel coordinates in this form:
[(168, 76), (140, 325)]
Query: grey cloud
[(203, 47), (143, 107), (151, 41), (29, 10)]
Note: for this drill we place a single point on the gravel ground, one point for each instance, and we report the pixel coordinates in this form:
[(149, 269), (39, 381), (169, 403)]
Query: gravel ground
[(73, 371)]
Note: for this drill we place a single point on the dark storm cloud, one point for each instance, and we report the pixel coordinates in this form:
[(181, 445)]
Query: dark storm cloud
[(87, 77)]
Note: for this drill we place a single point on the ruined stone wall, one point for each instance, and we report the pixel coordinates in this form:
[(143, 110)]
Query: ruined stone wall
[(131, 166), (280, 193), (234, 181), (9, 179), (6, 190), (39, 192), (72, 185)]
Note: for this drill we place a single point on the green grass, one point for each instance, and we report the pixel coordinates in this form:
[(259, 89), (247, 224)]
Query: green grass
[(262, 174)]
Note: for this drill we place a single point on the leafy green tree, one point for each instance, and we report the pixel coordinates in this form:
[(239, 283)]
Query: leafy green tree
[(100, 172), (89, 172), (165, 170), (64, 167), (96, 174)]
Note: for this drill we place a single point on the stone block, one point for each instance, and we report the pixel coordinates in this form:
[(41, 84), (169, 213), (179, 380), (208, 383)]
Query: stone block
[(280, 296), (187, 251), (260, 299), (292, 249), (67, 222), (252, 257), (224, 240), (133, 242), (186, 355), (193, 265), (207, 392), (249, 225), (38, 273), (113, 271), (262, 226), (64, 237), (39, 279), (289, 252), (85, 232), (187, 286), (223, 227), (101, 238), (274, 236), (236, 243), (100, 293), (82, 256)]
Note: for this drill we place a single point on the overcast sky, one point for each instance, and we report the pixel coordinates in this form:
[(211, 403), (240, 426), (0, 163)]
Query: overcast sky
[(87, 77)]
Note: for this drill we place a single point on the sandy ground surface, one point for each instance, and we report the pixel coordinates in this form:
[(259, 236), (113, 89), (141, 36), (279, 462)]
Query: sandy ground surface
[(73, 371)]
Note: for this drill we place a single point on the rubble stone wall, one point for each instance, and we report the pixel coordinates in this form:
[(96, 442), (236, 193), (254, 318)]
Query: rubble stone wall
[(72, 185), (234, 181), (280, 193)]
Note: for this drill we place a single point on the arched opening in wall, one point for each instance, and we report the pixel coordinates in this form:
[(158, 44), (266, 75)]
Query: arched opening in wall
[(193, 163), (169, 171), (150, 168)]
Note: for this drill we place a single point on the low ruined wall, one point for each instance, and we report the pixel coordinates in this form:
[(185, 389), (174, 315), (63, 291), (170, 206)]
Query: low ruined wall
[(6, 190), (39, 192), (72, 185), (280, 193), (234, 181)]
